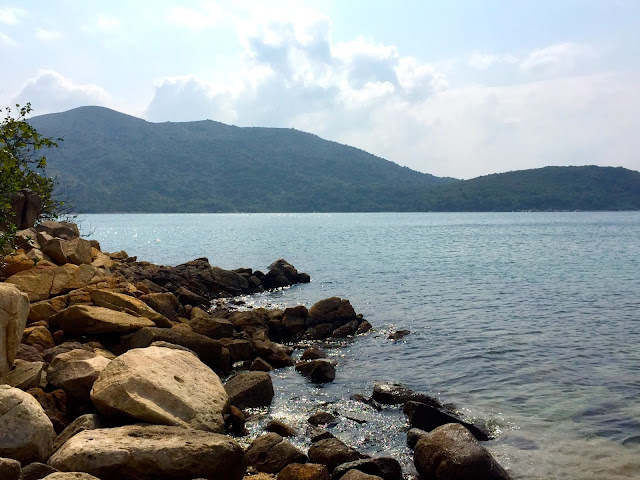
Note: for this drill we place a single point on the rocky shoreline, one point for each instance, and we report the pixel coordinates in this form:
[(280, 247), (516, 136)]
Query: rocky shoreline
[(112, 368)]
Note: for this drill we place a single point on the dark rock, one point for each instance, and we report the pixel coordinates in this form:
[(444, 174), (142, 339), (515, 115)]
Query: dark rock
[(386, 468), (294, 321), (304, 278), (37, 471), (331, 310), (450, 452), (396, 394), (271, 453), (28, 353), (26, 206), (315, 434), (313, 353), (210, 351), (318, 371), (413, 435), (54, 405), (236, 421), (260, 365), (357, 397), (212, 327), (250, 389), (280, 359), (306, 471), (9, 469), (322, 418), (358, 475), (240, 350), (364, 327), (427, 417), (399, 334), (345, 330), (332, 452), (281, 428), (318, 332), (187, 297)]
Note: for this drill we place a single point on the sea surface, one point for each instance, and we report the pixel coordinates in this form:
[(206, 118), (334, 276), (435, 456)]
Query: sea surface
[(529, 322)]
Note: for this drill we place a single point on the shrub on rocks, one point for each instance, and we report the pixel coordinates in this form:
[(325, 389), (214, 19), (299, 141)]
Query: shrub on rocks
[(27, 433), (451, 452)]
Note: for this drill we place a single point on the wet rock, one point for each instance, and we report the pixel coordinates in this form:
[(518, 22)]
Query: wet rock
[(14, 310), (332, 310), (450, 452), (427, 417), (281, 359), (398, 335), (413, 435), (386, 468), (55, 406), (235, 421), (306, 471), (332, 452), (250, 389), (260, 365), (363, 328), (92, 320), (9, 469), (151, 452), (357, 397), (387, 393), (312, 353), (271, 453), (210, 351), (322, 418), (318, 371), (281, 428), (162, 386), (294, 320), (26, 434), (75, 372)]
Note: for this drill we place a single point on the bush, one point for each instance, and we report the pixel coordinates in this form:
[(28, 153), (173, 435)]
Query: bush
[(23, 166)]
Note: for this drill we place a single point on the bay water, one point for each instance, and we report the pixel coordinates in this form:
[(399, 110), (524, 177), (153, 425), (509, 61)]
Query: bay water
[(529, 322)]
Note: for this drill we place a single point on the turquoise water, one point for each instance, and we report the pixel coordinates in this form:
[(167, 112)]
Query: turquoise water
[(528, 320)]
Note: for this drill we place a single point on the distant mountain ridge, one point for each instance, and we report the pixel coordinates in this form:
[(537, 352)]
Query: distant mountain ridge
[(113, 162)]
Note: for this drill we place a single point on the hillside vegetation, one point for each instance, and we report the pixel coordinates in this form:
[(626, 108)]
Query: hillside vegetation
[(112, 162)]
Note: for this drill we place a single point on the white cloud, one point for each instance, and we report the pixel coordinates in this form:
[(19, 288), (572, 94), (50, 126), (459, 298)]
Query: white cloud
[(208, 15), (485, 61), (559, 58), (47, 35), (103, 23), (11, 16), (49, 92), (7, 40)]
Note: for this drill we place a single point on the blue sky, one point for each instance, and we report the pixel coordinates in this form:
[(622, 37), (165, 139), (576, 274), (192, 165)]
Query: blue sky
[(453, 88)]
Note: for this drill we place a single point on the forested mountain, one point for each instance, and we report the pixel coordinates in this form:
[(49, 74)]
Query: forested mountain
[(112, 162)]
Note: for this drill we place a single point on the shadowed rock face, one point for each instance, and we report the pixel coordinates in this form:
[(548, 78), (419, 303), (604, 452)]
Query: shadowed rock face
[(151, 452)]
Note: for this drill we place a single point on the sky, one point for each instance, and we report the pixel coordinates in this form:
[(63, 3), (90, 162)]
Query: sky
[(452, 88)]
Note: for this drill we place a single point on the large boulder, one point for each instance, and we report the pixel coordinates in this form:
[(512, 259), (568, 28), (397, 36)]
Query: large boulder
[(212, 327), (75, 372), (14, 310), (9, 469), (386, 468), (162, 386), (66, 230), (429, 416), (319, 371), (332, 452), (271, 453), (25, 375), (26, 434), (210, 351), (451, 452), (332, 310), (151, 452), (128, 304), (70, 476), (92, 320), (26, 206), (165, 303), (250, 389)]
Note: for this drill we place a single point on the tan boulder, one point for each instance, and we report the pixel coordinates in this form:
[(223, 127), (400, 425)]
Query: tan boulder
[(76, 371), (25, 375), (89, 319), (15, 262), (39, 337), (116, 301), (26, 433), (70, 476), (151, 452), (66, 230), (14, 309), (162, 386), (101, 260)]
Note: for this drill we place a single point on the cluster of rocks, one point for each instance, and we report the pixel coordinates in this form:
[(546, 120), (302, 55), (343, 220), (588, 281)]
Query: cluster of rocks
[(112, 368)]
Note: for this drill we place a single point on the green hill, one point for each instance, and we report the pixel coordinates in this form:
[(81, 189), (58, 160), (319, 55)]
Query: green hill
[(548, 188), (112, 162)]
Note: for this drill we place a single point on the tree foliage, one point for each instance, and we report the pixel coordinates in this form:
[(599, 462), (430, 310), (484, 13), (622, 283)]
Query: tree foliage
[(22, 165)]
